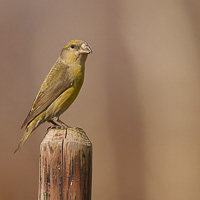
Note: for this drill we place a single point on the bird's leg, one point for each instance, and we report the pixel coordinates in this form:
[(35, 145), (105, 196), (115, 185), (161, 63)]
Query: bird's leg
[(53, 127), (56, 121), (62, 124)]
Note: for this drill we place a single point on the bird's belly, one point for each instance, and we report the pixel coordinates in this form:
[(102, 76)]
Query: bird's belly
[(63, 102)]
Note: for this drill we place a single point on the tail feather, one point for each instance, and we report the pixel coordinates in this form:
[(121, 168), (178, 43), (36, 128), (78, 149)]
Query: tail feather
[(29, 129)]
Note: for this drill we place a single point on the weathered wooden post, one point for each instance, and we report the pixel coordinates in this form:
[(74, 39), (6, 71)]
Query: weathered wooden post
[(65, 165)]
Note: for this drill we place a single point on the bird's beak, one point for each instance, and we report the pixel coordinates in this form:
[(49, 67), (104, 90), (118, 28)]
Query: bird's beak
[(85, 49)]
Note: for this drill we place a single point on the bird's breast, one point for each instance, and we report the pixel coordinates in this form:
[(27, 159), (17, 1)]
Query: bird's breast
[(77, 76)]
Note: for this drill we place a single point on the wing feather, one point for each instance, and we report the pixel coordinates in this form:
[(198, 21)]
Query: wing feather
[(56, 82)]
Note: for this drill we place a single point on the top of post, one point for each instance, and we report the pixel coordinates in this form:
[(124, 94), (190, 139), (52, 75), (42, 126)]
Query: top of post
[(76, 135)]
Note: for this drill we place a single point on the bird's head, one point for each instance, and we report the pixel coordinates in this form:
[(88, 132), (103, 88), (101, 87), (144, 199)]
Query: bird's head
[(75, 52)]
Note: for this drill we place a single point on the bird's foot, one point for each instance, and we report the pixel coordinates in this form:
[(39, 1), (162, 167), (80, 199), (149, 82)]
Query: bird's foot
[(61, 123), (58, 124), (53, 127)]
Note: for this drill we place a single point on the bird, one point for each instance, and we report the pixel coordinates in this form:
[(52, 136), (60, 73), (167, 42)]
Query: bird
[(59, 89)]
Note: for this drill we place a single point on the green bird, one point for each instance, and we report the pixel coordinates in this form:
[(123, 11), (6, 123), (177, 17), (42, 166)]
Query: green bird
[(59, 89)]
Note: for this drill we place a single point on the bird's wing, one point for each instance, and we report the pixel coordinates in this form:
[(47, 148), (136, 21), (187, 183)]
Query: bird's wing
[(56, 82)]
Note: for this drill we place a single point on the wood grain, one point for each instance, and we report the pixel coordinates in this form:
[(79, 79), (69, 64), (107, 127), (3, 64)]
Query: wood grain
[(65, 165)]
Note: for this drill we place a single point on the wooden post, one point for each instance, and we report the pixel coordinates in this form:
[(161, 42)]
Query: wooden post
[(65, 165)]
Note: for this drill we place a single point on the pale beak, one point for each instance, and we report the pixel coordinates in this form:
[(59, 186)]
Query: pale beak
[(85, 49)]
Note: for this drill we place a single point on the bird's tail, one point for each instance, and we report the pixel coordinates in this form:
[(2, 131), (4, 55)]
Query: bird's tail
[(29, 129)]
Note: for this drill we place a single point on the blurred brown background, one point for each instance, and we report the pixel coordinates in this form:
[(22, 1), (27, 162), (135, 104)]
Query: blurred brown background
[(140, 102)]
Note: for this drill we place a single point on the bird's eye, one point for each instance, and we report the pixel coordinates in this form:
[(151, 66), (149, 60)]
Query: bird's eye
[(72, 46)]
